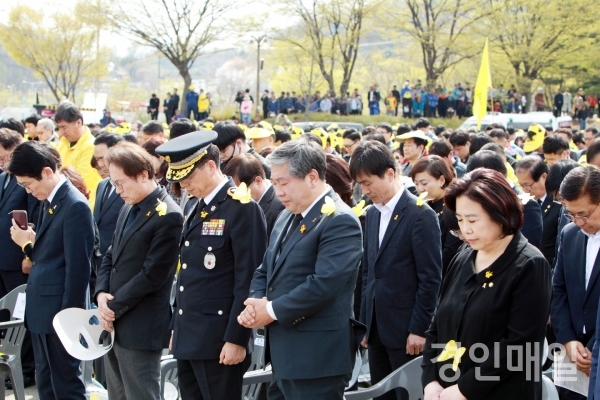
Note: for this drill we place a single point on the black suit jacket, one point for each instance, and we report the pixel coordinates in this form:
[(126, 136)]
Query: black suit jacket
[(551, 211), (401, 280), (504, 305), (574, 306), (105, 216), (138, 270), (533, 223), (61, 257), (217, 264), (14, 197), (272, 207)]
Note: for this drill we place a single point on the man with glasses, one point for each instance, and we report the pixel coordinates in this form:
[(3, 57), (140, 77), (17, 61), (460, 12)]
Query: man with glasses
[(14, 268), (133, 290), (576, 284), (64, 243), (386, 130), (531, 173), (231, 142)]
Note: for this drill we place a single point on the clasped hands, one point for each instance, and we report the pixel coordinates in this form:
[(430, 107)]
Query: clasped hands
[(255, 314), (107, 316)]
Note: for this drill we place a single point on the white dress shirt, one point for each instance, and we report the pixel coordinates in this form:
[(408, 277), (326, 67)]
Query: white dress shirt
[(267, 184), (591, 252), (212, 194), (386, 211), (62, 180), (269, 304)]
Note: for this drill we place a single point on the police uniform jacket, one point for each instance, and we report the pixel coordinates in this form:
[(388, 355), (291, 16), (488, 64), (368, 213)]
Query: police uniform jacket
[(138, 270), (222, 244), (507, 304)]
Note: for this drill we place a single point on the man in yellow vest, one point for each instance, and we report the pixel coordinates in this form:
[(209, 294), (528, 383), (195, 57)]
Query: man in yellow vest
[(76, 146)]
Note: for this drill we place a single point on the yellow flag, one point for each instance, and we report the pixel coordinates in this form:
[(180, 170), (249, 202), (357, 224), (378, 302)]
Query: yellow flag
[(484, 82)]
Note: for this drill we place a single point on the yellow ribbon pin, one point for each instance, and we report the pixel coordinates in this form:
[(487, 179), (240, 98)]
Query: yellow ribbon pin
[(489, 274), (302, 228), (329, 206), (161, 208), (451, 350), (359, 209), (421, 199), (241, 193), (203, 214)]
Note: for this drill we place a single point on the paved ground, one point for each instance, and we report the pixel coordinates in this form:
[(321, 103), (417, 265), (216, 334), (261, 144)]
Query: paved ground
[(30, 394)]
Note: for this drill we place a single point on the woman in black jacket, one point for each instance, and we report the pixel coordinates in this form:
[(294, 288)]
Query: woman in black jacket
[(432, 174), (485, 341)]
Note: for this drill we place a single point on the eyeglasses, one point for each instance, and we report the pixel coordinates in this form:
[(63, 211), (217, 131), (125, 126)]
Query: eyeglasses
[(117, 184), (24, 185), (527, 185), (457, 233), (582, 218), (348, 147)]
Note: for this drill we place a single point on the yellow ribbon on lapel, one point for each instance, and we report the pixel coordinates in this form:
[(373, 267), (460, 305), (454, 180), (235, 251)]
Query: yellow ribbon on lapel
[(421, 199), (359, 209), (161, 208), (451, 350), (241, 193), (329, 206)]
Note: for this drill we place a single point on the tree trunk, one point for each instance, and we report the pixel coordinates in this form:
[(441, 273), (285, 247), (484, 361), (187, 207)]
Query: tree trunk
[(524, 86), (430, 78), (187, 81)]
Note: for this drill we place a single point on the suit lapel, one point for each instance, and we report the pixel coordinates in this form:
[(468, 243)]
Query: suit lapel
[(308, 222), (580, 249), (9, 189), (395, 219), (547, 205), (105, 207), (99, 195), (267, 198), (593, 277), (373, 217), (144, 216), (54, 209)]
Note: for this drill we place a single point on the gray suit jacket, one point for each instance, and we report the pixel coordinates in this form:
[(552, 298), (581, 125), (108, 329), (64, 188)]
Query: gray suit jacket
[(311, 286)]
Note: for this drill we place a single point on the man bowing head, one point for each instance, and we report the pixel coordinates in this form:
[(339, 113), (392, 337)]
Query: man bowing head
[(302, 292)]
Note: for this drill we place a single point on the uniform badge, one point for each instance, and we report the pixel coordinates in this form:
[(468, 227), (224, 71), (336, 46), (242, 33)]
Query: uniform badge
[(203, 214), (209, 260), (213, 208), (214, 227)]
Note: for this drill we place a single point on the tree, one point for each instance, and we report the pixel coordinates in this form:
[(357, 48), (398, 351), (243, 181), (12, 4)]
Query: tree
[(441, 29), (179, 29), (334, 28), (536, 35), (61, 49)]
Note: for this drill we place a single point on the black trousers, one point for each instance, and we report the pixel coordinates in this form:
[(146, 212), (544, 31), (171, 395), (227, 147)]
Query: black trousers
[(328, 388), (383, 361), (57, 373), (209, 380), (10, 280)]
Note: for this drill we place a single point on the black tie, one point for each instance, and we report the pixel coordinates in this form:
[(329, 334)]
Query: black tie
[(131, 217), (290, 232), (105, 196), (540, 202), (43, 211)]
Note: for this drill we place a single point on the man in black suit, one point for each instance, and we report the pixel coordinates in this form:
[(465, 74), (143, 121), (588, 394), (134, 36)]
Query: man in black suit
[(302, 292), (400, 281), (575, 280), (153, 107), (134, 282), (532, 172), (174, 104), (108, 202), (14, 268), (223, 241), (246, 169), (64, 243)]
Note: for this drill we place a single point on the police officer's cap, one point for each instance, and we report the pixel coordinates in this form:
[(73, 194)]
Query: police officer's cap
[(184, 153)]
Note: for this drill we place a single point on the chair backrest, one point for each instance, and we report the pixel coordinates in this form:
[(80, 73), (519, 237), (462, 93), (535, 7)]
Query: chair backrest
[(9, 301), (11, 345), (251, 392), (549, 391), (168, 374), (407, 376)]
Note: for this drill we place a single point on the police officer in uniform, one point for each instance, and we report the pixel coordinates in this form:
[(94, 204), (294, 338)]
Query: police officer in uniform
[(211, 348)]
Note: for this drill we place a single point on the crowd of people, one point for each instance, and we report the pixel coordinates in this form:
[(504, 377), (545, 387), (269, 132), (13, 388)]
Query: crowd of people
[(460, 246)]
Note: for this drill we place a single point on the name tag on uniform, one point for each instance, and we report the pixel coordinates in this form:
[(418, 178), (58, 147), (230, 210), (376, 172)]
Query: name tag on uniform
[(214, 227)]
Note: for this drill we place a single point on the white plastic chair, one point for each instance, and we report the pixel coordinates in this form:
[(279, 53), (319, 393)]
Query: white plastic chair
[(11, 345)]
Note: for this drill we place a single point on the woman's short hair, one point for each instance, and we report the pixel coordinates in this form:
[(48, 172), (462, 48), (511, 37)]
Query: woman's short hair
[(434, 166), (338, 177), (491, 190), (76, 180), (150, 146), (557, 174), (245, 167), (131, 158)]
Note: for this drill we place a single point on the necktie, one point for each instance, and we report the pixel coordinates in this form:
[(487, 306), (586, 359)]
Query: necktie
[(131, 217), (106, 194), (43, 211), (290, 232), (193, 216), (540, 202)]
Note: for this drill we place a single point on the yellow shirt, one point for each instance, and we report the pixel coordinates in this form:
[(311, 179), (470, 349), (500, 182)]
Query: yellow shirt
[(79, 157)]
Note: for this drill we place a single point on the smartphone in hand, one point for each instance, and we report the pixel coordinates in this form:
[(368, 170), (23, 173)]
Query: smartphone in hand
[(20, 217)]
